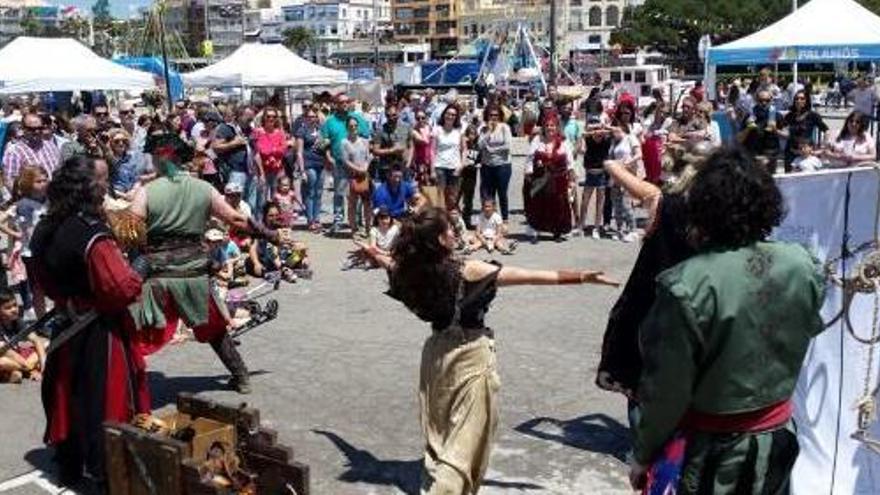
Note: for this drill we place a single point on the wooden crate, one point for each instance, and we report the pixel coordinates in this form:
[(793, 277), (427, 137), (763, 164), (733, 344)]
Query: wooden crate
[(140, 463), (207, 431)]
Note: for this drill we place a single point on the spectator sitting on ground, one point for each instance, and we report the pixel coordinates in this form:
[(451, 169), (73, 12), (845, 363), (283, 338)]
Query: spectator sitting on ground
[(232, 193), (394, 194), (25, 359), (489, 234), (226, 258), (288, 257), (382, 237)]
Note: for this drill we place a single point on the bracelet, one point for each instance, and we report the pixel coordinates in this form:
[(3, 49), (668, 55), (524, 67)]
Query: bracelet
[(569, 277)]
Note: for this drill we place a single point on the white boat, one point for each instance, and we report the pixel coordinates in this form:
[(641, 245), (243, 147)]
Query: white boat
[(640, 81)]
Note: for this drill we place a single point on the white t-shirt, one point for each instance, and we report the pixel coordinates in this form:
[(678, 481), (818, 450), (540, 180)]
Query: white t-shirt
[(489, 227), (537, 145), (806, 164), (384, 241), (448, 145), (851, 147), (625, 149)]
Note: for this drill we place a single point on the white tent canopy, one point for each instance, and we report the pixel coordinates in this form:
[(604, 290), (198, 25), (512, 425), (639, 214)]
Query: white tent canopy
[(820, 31), (29, 65), (256, 65)]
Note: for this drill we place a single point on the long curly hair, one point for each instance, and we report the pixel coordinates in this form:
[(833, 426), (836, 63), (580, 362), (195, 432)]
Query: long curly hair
[(426, 274), (74, 191), (733, 202)]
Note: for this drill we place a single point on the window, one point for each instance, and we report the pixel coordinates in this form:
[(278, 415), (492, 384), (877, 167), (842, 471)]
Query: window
[(627, 76), (641, 76), (595, 16), (612, 16), (594, 39), (645, 90), (576, 3), (615, 76)]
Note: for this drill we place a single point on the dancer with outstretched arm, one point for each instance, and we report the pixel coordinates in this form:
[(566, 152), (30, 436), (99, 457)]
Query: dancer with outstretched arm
[(459, 380)]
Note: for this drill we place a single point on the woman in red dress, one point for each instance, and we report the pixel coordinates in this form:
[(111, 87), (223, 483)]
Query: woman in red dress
[(546, 190), (93, 377)]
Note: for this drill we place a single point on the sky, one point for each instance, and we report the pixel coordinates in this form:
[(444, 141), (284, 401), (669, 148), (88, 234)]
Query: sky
[(119, 8)]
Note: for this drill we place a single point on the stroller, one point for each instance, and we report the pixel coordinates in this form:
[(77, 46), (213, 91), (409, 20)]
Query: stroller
[(247, 313)]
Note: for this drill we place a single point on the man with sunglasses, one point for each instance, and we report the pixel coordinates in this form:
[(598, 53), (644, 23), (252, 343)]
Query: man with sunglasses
[(86, 142), (102, 117), (127, 118), (335, 131), (31, 150), (391, 145), (760, 133)]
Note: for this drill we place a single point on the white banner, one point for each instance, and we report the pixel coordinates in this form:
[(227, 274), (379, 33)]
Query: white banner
[(822, 208)]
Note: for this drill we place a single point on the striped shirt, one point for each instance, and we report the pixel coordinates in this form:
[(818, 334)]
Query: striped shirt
[(19, 155)]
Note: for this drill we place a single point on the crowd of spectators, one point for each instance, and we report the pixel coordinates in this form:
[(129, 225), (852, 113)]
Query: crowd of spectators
[(275, 161)]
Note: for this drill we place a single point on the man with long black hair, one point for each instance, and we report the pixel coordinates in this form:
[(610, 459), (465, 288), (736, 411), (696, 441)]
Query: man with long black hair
[(95, 375)]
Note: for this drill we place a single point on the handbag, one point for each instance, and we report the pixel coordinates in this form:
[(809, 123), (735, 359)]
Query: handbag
[(432, 194), (360, 185)]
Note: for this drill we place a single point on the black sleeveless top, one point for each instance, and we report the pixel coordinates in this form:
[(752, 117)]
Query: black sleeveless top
[(474, 300), (60, 251), (467, 306)]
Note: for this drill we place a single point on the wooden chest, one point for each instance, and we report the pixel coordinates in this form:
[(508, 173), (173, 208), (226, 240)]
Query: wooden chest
[(142, 463)]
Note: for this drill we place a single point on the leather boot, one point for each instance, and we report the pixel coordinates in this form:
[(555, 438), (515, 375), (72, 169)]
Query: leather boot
[(227, 352)]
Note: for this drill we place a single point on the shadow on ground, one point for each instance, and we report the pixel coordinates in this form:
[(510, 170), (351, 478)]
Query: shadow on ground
[(41, 459), (364, 467), (164, 389), (593, 432)]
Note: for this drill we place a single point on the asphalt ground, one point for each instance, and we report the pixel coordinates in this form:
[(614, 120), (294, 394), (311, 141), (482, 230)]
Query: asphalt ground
[(336, 374)]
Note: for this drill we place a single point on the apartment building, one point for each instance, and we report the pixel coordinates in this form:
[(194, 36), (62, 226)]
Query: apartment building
[(335, 22), (435, 22)]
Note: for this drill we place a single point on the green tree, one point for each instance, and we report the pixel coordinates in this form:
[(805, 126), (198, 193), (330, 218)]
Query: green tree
[(30, 25), (101, 11), (675, 27), (298, 39)]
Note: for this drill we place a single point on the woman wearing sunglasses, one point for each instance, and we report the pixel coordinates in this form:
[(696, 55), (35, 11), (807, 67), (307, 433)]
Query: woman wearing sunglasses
[(450, 150), (270, 143)]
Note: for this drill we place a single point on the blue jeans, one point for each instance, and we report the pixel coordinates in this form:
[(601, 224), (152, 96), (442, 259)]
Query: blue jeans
[(340, 191), (272, 184), (495, 181), (312, 188)]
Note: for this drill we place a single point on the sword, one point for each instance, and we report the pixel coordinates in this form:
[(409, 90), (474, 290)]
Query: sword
[(75, 327), (25, 332)]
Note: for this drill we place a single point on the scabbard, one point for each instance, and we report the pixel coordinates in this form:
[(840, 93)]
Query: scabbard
[(23, 334)]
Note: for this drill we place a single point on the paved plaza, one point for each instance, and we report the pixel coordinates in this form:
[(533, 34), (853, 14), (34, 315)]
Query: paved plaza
[(336, 374)]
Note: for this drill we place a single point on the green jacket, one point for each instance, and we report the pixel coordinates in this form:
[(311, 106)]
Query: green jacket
[(727, 334)]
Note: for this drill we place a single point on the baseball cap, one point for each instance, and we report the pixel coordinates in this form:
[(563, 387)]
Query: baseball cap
[(214, 235), (233, 188)]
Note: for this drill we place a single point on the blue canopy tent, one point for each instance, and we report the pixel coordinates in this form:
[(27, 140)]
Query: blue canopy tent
[(820, 31), (154, 66)]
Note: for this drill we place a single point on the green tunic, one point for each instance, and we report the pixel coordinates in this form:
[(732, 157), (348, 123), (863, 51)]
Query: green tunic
[(727, 334), (178, 209)]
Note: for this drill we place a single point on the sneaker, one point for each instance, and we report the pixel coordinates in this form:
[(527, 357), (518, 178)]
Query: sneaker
[(630, 237), (595, 234)]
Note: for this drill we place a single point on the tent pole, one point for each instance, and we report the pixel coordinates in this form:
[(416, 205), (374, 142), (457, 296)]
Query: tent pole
[(168, 100)]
